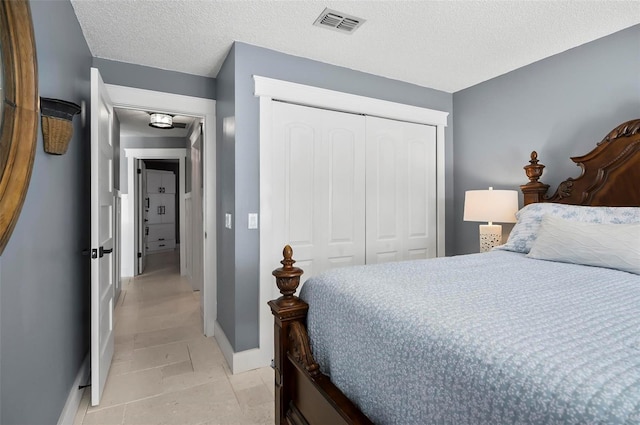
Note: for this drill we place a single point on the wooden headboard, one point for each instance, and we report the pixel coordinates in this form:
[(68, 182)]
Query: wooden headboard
[(610, 173)]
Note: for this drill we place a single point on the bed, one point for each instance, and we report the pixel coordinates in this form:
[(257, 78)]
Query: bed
[(498, 337)]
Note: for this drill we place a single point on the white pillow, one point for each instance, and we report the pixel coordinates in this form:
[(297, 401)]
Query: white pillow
[(614, 246), (526, 229)]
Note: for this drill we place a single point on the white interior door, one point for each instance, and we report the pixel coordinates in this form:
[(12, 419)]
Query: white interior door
[(141, 215), (401, 191), (102, 278), (196, 213), (318, 182)]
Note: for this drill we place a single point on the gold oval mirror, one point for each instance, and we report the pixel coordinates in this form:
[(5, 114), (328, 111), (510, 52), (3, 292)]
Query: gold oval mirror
[(19, 111)]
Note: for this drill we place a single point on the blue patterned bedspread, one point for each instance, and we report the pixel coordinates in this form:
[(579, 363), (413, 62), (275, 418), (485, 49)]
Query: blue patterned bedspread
[(493, 338)]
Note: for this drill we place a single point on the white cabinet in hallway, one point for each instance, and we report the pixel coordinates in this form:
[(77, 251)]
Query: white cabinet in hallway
[(159, 181), (160, 229)]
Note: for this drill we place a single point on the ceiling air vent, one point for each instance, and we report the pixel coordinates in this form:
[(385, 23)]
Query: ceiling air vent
[(338, 21)]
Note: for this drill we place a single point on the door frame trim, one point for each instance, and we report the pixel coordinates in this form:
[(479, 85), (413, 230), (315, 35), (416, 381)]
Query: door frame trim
[(134, 98), (152, 153), (268, 90)]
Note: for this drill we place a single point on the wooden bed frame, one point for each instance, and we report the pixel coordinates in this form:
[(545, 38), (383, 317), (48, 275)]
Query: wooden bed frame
[(303, 395)]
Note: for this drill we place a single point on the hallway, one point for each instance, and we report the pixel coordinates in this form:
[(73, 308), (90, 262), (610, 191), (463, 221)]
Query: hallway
[(164, 370)]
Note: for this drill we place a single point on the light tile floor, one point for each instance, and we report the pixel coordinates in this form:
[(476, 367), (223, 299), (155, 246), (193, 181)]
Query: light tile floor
[(164, 370)]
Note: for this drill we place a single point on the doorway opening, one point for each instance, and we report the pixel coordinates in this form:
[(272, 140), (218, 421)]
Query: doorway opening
[(199, 144), (158, 214), (139, 234)]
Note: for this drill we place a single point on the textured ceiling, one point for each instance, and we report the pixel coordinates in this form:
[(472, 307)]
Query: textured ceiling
[(446, 45)]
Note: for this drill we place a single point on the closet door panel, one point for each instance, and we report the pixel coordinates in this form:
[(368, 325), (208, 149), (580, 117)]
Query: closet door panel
[(300, 187), (401, 190), (420, 236), (385, 191), (386, 186), (318, 176), (345, 208)]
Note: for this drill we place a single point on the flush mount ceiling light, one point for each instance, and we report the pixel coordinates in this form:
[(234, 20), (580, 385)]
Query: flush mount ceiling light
[(163, 121)]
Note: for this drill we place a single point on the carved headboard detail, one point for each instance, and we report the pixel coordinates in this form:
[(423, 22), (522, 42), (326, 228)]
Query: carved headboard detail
[(610, 173)]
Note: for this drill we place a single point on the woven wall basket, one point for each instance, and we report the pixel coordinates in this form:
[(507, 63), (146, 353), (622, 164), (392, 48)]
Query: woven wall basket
[(57, 125)]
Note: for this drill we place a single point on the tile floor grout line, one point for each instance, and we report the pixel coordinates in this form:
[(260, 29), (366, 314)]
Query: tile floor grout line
[(190, 358)]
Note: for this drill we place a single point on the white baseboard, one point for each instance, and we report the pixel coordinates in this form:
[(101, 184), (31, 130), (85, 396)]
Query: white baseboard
[(241, 361), (70, 408)]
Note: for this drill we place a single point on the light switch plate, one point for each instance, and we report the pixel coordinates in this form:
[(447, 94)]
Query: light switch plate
[(253, 220), (227, 220)]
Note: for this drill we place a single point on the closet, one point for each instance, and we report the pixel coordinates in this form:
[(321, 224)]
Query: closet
[(350, 189), (160, 208)]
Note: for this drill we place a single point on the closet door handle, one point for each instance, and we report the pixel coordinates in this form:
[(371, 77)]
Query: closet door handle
[(147, 200)]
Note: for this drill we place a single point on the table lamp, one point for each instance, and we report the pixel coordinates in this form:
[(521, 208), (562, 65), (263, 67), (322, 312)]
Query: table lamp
[(490, 205)]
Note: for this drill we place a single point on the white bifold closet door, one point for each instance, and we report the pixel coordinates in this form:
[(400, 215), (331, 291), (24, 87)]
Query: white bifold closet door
[(318, 186), (401, 191), (349, 189)]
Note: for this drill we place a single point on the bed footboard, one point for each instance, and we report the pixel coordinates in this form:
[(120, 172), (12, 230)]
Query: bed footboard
[(303, 395)]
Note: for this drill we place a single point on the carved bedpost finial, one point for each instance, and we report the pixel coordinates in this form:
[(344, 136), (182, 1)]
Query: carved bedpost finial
[(533, 170), (287, 276), (287, 261), (534, 190)]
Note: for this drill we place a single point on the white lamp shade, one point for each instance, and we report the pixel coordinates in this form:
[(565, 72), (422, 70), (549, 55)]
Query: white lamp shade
[(491, 205)]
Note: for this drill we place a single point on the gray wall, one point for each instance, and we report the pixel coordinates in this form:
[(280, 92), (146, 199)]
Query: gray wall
[(225, 189), (249, 61), (44, 280), (144, 77), (560, 106), (136, 142)]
